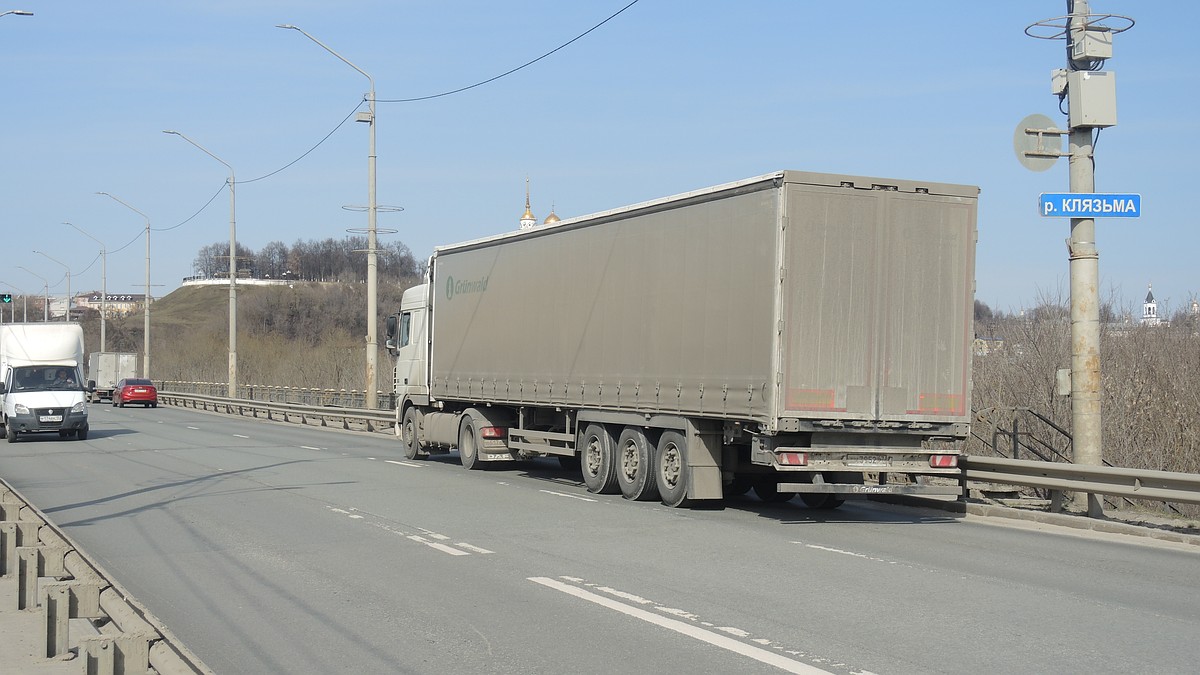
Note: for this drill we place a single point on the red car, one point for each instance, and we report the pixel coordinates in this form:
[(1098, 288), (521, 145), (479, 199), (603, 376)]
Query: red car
[(135, 390)]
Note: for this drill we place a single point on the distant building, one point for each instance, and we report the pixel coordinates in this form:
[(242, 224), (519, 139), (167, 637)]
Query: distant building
[(120, 304), (982, 346), (1150, 309), (528, 220)]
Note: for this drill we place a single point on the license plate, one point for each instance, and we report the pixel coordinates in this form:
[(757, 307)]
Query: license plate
[(50, 418), (867, 460)]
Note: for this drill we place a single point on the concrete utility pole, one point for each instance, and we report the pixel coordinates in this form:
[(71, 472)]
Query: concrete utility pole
[(371, 385), (1085, 294), (46, 303), (232, 263), (146, 313), (103, 283), (1090, 94)]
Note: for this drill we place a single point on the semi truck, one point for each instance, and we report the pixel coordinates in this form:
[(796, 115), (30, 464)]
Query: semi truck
[(793, 333), (42, 390), (108, 368)]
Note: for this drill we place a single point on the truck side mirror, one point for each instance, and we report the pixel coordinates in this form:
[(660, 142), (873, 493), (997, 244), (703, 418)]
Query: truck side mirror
[(91, 386), (3, 389), (390, 331)]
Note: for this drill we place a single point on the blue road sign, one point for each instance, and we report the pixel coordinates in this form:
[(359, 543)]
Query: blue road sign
[(1090, 205)]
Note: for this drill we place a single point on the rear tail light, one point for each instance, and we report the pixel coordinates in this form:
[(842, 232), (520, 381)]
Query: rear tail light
[(943, 461), (792, 458), (493, 432)]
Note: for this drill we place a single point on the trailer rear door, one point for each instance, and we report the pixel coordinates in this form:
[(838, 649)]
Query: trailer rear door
[(877, 302)]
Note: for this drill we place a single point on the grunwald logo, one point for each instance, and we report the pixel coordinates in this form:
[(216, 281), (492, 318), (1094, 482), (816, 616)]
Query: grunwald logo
[(458, 287)]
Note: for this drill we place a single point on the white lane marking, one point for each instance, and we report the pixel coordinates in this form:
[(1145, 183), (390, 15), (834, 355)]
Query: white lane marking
[(472, 547), (240, 436), (412, 464), (308, 447), (715, 639), (434, 545), (563, 494), (350, 512), (849, 553), (194, 428)]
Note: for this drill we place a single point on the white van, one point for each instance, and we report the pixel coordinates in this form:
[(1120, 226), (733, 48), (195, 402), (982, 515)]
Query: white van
[(42, 390)]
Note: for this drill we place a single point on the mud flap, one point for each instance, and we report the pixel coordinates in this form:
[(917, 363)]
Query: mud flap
[(703, 460)]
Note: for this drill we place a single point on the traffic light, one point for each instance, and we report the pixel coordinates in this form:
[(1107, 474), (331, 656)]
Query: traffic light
[(7, 298)]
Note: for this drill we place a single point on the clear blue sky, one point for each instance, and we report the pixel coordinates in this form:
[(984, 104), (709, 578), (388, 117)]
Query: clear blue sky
[(670, 96)]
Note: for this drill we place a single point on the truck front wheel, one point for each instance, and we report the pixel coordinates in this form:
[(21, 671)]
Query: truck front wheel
[(408, 435), (597, 459), (671, 471), (468, 444)]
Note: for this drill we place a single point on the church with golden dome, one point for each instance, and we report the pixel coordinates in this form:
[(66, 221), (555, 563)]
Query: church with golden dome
[(528, 220)]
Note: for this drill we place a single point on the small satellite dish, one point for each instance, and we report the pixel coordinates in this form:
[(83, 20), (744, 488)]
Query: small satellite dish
[(1037, 142)]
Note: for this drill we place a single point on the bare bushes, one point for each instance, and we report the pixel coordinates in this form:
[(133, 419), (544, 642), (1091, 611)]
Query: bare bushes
[(306, 335), (1150, 377)]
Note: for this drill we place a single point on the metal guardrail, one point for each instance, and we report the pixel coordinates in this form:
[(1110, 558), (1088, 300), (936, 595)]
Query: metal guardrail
[(346, 398), (346, 418), (1163, 486), (33, 548)]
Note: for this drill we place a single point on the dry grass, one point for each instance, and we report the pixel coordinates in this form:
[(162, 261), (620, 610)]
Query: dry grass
[(304, 335)]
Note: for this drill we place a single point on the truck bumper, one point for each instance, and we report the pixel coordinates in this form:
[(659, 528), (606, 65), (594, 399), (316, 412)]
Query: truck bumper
[(853, 489)]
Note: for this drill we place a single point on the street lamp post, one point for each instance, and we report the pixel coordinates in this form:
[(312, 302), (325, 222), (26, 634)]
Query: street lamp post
[(103, 281), (372, 211), (232, 265), (46, 285), (146, 328), (67, 311)]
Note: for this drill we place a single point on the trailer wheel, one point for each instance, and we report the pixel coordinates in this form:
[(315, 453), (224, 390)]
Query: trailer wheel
[(597, 460), (670, 472), (768, 491), (408, 435), (635, 465), (468, 444)]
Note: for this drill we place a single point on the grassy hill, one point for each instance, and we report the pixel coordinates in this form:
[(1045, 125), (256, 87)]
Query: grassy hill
[(302, 335)]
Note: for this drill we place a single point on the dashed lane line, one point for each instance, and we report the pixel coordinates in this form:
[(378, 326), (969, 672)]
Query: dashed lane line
[(716, 639)]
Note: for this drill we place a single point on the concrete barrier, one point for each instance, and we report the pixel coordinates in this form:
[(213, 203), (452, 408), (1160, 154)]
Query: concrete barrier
[(56, 579)]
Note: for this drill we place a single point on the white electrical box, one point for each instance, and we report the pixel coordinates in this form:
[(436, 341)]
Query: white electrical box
[(1058, 81), (1092, 98), (1091, 45)]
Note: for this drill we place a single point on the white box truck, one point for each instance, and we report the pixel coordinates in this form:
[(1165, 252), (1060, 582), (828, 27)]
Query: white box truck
[(42, 390), (792, 333), (108, 368)]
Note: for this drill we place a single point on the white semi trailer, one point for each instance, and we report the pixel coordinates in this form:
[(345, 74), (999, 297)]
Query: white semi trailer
[(792, 333)]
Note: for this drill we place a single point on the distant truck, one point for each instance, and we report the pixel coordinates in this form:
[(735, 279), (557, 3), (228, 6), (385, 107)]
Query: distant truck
[(42, 390), (108, 368), (792, 333)]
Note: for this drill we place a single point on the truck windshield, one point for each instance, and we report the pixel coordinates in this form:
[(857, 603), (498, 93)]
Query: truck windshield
[(45, 378)]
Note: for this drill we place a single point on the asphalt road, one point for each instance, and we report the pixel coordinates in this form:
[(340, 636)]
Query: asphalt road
[(277, 548)]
